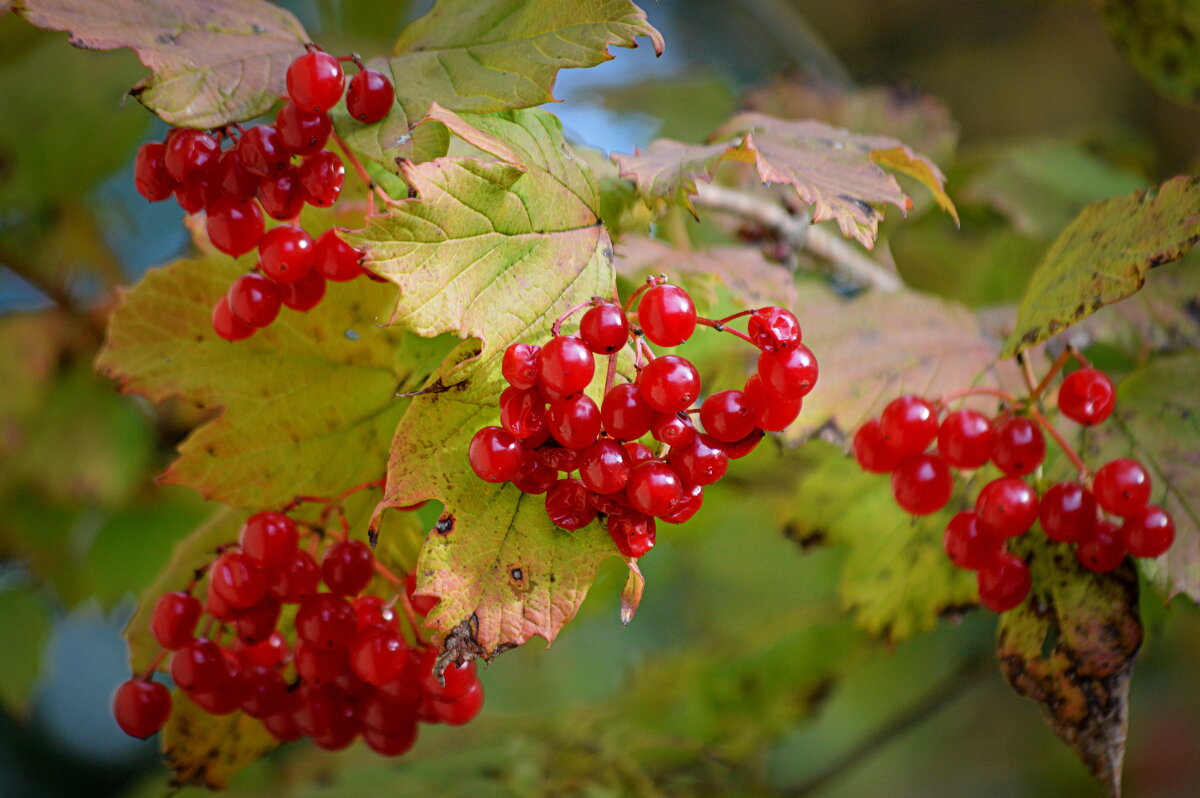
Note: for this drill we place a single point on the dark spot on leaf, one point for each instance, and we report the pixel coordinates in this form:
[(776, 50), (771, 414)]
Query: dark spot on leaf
[(518, 574), (863, 207), (171, 39), (444, 525), (257, 29), (811, 540)]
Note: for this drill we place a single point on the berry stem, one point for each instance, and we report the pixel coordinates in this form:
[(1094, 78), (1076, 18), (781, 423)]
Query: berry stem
[(611, 376), (153, 666), (720, 327), (556, 328), (1068, 450), (373, 188), (1055, 367), (651, 281), (737, 315), (1027, 372)]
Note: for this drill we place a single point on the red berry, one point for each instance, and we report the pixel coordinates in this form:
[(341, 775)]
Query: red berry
[(872, 452), (227, 325), (421, 604), (256, 624), (458, 678), (1018, 446), (922, 484), (633, 533), (522, 412), (174, 620), (738, 449), (604, 328), (1104, 550), (566, 365), (908, 424), (559, 458), (521, 366), (771, 413), (667, 315), (297, 578), (728, 415), (393, 745), (286, 253), (326, 620), (965, 439), (372, 611), (369, 96), (495, 455), (568, 504), (534, 476), (224, 701), (1004, 582), (1087, 396), (304, 294), (315, 81), (254, 300), (269, 653), (673, 429), (1068, 512), (301, 132), (232, 178), (192, 194), (150, 173), (686, 507), (200, 666), (141, 707), (1149, 533), (282, 725), (773, 329), (237, 579), (280, 195), (669, 383), (464, 710), (624, 412), (1122, 487), (337, 260), (321, 178), (574, 423), (638, 452), (269, 539), (234, 225), (327, 716), (1006, 507), (318, 665), (788, 373), (348, 567), (604, 466), (698, 463), (967, 546), (262, 152), (190, 152), (264, 692), (654, 488), (379, 655)]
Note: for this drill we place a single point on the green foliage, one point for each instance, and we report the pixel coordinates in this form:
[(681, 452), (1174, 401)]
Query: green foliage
[(1159, 39), (206, 750), (27, 624)]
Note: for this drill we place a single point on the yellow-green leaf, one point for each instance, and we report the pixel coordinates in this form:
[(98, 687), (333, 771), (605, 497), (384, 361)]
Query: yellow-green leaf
[(26, 619), (1159, 39), (208, 750)]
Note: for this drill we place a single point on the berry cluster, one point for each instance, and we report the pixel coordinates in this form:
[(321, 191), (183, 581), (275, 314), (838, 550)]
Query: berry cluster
[(1075, 512), (638, 455), (272, 170), (349, 669)]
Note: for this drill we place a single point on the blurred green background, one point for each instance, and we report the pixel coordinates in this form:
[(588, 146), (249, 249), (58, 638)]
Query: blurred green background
[(739, 676)]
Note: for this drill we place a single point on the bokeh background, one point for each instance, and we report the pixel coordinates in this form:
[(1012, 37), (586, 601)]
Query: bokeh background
[(739, 675)]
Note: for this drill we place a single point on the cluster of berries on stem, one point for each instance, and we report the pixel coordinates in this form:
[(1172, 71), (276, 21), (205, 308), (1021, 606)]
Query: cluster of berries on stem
[(1106, 515), (254, 632), (639, 455)]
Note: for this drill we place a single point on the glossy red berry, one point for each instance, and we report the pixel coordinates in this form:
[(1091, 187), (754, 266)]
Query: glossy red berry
[(728, 415), (228, 326), (141, 707), (190, 152), (369, 96), (922, 484), (1149, 532), (238, 580), (772, 414), (304, 294), (269, 653), (1068, 512), (315, 81), (624, 413), (326, 621), (735, 449), (286, 253), (604, 466), (321, 178), (667, 315), (263, 691), (604, 328), (872, 452), (520, 365), (174, 620), (1122, 487), (150, 174), (568, 504), (788, 373), (348, 567), (200, 666), (1087, 396), (256, 624), (574, 423), (319, 665), (192, 194), (421, 604), (280, 195), (391, 744), (232, 178), (673, 429), (297, 578), (1004, 582), (337, 260), (633, 533), (534, 476), (967, 546), (301, 132), (269, 539), (1018, 446), (654, 488), (965, 439), (522, 412), (908, 424), (234, 225), (560, 458), (494, 455), (687, 506), (638, 452), (379, 655), (462, 711), (698, 463), (669, 384), (262, 152), (773, 329), (254, 300), (1104, 550), (1006, 507), (566, 365)]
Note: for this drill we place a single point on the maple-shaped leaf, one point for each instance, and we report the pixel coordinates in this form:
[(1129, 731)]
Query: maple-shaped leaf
[(306, 406), (841, 174), (212, 61), (1071, 646), (493, 251)]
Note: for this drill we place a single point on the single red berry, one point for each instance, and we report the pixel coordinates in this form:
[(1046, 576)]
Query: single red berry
[(574, 423), (1018, 446), (174, 620), (1004, 582), (315, 81), (538, 439), (494, 454), (1087, 396), (686, 507), (908, 424), (738, 449), (282, 725), (141, 707), (227, 325), (1149, 533), (301, 132), (667, 315), (326, 620), (219, 608), (321, 178), (421, 604), (458, 678), (698, 463), (922, 484), (200, 666), (391, 745), (566, 365), (192, 194), (280, 195), (462, 711), (669, 384), (654, 488), (264, 692), (348, 567), (190, 152), (521, 366), (522, 412), (286, 253), (771, 413), (337, 260), (534, 476), (304, 294), (788, 373), (604, 466), (560, 458), (256, 624), (568, 505), (1006, 507), (224, 701), (387, 714), (633, 533), (327, 716), (372, 611), (967, 546), (1104, 550), (673, 429), (624, 413), (234, 225), (1068, 512), (150, 173), (872, 452), (638, 452), (728, 415), (238, 580), (773, 329), (297, 578), (232, 178), (378, 655), (369, 96), (965, 439), (1122, 487), (254, 300), (604, 328), (270, 653), (269, 539), (611, 503), (262, 152)]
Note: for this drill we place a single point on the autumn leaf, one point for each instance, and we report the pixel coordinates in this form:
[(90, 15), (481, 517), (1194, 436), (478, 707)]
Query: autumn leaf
[(207, 750), (212, 61), (1103, 256), (1070, 647)]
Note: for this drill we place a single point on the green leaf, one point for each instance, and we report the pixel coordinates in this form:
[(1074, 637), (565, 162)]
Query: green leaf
[(495, 55), (26, 620), (208, 750), (1159, 39), (307, 405), (212, 61), (1103, 256), (1157, 422), (1070, 647)]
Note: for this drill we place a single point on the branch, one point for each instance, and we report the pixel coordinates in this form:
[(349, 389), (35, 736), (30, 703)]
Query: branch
[(798, 232)]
